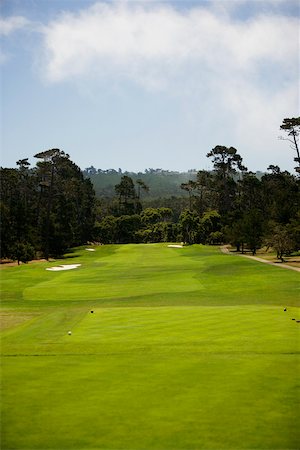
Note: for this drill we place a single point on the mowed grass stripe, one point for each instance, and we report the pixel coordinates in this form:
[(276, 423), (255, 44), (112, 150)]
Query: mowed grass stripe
[(163, 329)]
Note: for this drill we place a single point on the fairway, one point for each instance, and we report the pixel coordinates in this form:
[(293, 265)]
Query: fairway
[(170, 348)]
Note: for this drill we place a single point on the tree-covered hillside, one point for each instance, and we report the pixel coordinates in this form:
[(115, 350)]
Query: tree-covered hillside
[(161, 183)]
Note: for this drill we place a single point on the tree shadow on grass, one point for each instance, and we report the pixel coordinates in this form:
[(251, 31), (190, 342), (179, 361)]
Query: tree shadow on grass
[(69, 256)]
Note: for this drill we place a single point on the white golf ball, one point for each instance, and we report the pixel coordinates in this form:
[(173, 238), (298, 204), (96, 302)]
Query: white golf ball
[(69, 332)]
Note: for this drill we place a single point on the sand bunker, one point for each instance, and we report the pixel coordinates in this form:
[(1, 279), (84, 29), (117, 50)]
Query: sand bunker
[(175, 246), (90, 249), (64, 267)]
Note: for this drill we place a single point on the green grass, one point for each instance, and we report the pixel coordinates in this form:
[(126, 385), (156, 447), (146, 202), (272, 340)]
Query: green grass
[(186, 349)]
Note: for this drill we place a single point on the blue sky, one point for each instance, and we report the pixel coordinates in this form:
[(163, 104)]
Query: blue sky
[(139, 84)]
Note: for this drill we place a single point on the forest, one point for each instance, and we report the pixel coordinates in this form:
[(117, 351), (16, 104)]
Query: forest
[(54, 206), (162, 183)]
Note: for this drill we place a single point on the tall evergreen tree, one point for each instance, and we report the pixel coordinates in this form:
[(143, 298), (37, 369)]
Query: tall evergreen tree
[(67, 209), (46, 209), (127, 195), (292, 127), (226, 163)]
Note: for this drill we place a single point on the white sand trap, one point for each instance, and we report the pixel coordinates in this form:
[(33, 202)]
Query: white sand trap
[(90, 249), (175, 246), (64, 267)]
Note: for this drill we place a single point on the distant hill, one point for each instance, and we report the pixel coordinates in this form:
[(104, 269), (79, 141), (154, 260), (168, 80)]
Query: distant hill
[(161, 183)]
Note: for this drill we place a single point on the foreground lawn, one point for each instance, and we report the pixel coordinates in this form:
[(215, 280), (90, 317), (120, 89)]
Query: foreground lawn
[(185, 348)]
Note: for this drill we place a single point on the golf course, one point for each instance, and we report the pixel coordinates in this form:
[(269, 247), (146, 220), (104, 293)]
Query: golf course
[(146, 346)]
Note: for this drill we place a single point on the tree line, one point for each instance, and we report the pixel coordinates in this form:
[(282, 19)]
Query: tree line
[(52, 207), (45, 210)]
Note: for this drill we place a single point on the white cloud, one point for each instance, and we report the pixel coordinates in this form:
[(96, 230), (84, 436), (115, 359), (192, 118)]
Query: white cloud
[(235, 79), (8, 26), (152, 44), (11, 24), (232, 81)]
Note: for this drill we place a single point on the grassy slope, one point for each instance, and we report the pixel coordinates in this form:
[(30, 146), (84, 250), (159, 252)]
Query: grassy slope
[(186, 348)]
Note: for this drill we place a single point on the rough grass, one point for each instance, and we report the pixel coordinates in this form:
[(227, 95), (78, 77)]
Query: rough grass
[(186, 349)]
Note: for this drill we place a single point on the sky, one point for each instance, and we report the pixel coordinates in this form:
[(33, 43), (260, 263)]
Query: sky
[(148, 84)]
